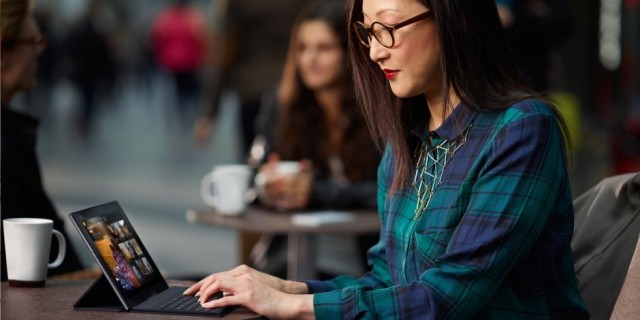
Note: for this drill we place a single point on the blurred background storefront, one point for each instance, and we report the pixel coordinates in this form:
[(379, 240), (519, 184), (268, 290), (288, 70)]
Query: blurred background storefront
[(599, 68)]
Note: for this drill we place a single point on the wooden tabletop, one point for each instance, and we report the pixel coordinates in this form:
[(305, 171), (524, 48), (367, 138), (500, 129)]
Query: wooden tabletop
[(258, 219), (55, 302)]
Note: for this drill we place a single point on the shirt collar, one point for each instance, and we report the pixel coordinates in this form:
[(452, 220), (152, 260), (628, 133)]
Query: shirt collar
[(452, 127)]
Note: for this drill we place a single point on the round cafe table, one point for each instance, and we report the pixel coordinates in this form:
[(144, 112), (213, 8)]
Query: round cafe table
[(301, 247)]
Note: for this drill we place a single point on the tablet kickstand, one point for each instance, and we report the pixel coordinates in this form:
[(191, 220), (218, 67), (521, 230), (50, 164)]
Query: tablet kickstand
[(99, 296)]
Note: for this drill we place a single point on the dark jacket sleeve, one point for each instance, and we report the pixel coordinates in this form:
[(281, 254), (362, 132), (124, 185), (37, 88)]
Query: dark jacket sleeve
[(330, 195)]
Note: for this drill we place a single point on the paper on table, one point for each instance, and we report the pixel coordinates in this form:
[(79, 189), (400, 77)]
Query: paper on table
[(313, 219)]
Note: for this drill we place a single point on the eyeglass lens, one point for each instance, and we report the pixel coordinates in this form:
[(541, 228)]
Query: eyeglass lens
[(383, 33), (380, 32)]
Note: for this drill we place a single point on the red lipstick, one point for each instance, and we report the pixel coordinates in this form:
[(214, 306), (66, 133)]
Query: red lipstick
[(390, 74)]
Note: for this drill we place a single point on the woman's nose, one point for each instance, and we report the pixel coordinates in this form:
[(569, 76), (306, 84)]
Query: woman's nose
[(377, 52)]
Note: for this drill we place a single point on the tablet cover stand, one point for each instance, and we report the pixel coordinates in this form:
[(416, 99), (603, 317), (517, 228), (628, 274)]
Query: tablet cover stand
[(99, 297)]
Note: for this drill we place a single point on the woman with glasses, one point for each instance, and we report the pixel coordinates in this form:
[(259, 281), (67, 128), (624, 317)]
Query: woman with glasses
[(22, 192), (473, 192)]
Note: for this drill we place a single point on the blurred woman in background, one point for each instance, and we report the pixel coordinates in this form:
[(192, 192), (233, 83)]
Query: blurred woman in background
[(313, 117), (22, 192)]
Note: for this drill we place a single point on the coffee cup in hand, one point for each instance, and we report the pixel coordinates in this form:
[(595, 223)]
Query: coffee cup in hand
[(27, 245), (284, 185)]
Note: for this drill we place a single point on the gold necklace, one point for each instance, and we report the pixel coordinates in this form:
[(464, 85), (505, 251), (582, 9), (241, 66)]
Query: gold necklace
[(431, 163)]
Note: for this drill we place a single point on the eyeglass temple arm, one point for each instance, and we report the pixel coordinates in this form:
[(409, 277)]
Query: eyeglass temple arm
[(412, 20)]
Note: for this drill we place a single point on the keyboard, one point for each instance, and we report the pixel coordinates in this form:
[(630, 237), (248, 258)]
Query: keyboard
[(187, 303)]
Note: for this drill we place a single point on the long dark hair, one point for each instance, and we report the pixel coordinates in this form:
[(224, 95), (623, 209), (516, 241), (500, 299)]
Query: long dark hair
[(476, 64), (14, 13), (301, 131)]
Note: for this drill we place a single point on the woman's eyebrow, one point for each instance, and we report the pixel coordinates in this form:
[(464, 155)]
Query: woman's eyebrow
[(385, 10), (380, 12)]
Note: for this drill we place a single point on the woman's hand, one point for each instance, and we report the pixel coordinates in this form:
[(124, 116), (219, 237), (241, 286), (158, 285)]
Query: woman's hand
[(283, 189), (260, 292)]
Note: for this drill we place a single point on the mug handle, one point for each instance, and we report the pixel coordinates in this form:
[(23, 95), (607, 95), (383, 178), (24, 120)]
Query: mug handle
[(62, 243), (205, 189)]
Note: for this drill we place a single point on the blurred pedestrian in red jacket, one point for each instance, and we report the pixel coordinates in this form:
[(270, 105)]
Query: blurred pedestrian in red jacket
[(179, 40)]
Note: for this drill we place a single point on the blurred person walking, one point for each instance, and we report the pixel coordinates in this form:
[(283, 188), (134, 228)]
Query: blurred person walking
[(180, 44), (92, 62), (23, 194), (250, 48)]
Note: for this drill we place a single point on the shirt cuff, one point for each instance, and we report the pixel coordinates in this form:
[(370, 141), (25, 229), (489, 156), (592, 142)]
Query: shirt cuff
[(327, 305), (315, 286)]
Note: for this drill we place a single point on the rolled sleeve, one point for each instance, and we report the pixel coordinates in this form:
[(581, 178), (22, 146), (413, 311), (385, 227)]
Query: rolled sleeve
[(328, 305)]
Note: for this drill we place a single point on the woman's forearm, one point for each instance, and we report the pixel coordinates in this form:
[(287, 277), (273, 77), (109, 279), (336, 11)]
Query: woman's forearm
[(295, 287), (302, 307)]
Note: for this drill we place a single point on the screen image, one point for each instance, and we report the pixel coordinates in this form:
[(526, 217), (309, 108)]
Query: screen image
[(120, 250)]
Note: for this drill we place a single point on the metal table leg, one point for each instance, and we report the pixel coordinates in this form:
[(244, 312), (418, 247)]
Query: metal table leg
[(301, 257)]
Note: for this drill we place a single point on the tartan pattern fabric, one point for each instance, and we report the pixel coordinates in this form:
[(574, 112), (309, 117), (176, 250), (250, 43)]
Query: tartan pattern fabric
[(494, 242)]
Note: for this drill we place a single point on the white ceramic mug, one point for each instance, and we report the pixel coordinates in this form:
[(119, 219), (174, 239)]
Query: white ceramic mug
[(224, 188), (27, 244)]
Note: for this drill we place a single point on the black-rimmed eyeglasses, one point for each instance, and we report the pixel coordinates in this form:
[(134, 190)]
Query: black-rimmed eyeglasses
[(382, 32)]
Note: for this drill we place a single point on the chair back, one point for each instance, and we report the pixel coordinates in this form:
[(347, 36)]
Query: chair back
[(606, 231)]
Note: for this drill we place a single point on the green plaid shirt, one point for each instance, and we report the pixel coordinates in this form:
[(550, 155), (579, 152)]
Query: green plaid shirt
[(494, 240)]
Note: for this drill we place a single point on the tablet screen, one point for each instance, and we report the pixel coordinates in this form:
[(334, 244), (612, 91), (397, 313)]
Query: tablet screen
[(117, 247)]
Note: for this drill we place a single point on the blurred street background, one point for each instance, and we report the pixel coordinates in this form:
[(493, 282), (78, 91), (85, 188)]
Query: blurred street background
[(137, 148), (128, 137)]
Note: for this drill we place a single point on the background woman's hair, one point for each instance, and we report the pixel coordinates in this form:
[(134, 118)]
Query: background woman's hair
[(333, 13), (300, 132), (13, 14), (476, 65)]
